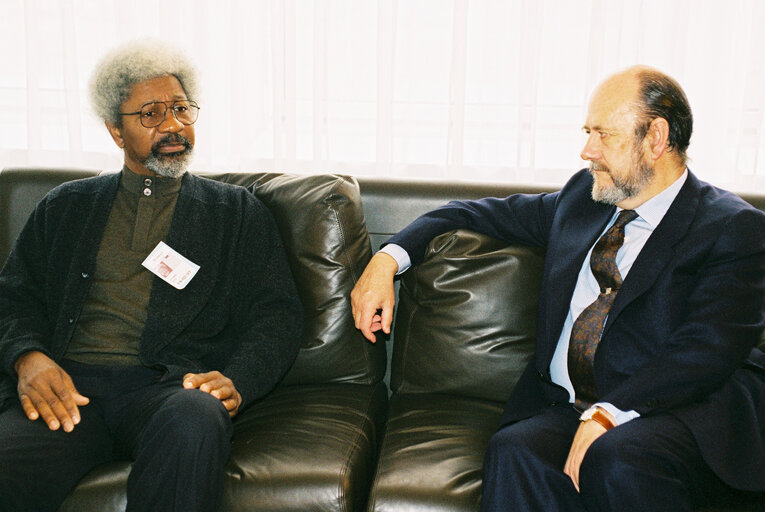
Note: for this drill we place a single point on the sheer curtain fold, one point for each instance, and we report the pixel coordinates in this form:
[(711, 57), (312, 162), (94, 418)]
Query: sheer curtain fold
[(491, 90)]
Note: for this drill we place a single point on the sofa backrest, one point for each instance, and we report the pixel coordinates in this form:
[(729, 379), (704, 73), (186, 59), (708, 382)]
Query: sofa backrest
[(20, 190), (391, 204), (322, 224), (466, 318)]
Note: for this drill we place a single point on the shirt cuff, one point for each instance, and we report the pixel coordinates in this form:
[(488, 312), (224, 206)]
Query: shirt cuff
[(400, 255), (620, 417)]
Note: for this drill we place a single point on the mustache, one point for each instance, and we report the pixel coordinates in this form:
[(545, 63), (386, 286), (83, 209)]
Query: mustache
[(172, 138), (599, 167)]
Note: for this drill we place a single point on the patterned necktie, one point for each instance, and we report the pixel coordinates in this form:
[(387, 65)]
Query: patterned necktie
[(585, 334)]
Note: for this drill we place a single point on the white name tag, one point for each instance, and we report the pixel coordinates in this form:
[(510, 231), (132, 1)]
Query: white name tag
[(170, 266)]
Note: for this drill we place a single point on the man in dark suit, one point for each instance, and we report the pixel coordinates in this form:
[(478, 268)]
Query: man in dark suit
[(139, 311), (646, 391)]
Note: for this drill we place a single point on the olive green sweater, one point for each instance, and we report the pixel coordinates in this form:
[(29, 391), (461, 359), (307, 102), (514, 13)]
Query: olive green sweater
[(112, 319)]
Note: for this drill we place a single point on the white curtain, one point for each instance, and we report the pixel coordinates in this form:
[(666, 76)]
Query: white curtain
[(489, 90)]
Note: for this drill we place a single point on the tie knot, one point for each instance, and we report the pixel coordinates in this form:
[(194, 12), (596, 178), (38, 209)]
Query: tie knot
[(625, 217)]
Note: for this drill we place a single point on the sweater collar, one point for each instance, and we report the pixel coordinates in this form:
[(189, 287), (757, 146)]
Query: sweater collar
[(149, 185)]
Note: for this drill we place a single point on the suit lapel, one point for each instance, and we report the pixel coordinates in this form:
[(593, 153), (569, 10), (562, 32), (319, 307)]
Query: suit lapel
[(579, 228), (659, 250)]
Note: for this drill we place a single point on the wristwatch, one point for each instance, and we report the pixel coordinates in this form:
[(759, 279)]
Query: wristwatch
[(597, 415)]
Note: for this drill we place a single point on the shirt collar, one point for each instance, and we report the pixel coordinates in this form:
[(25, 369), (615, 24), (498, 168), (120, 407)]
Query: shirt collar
[(653, 210)]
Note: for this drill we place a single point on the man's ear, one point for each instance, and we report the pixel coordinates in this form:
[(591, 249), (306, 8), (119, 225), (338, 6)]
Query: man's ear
[(658, 137), (116, 134)]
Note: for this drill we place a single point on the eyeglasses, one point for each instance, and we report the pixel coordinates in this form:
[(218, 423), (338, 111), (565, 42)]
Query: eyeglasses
[(153, 114)]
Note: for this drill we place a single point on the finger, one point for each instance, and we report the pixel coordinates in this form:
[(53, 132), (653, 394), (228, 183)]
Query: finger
[(231, 404), (191, 381), (43, 408), (222, 390), (61, 411), (66, 392), (29, 409), (387, 317), (81, 399), (215, 385), (571, 472), (365, 324), (196, 380)]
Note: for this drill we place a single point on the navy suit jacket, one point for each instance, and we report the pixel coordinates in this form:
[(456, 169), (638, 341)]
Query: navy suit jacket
[(681, 334)]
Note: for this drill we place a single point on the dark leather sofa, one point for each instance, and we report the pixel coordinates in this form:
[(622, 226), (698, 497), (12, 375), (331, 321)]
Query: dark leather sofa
[(350, 429)]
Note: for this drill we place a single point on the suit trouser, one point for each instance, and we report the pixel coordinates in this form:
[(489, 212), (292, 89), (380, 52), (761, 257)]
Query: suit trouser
[(648, 463), (179, 441)]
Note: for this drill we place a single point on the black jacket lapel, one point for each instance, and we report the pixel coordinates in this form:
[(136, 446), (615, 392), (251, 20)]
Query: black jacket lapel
[(571, 239)]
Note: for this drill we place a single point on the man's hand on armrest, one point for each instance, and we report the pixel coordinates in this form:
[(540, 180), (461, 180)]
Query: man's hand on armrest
[(46, 391), (373, 298)]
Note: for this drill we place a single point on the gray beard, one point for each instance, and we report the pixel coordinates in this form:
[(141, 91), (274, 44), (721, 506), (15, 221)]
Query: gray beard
[(623, 188), (169, 166)]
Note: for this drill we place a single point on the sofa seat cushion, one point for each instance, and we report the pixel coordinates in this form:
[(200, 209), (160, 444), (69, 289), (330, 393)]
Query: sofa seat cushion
[(102, 489), (432, 453), (302, 448), (306, 448)]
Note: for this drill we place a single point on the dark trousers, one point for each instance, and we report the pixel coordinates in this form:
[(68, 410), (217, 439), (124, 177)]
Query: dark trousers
[(648, 463), (178, 439)]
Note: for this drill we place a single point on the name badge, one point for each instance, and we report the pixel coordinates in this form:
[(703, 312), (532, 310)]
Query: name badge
[(170, 266)]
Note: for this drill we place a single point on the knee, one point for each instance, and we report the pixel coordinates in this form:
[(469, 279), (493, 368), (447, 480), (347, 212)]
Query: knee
[(195, 417), (500, 447), (505, 451)]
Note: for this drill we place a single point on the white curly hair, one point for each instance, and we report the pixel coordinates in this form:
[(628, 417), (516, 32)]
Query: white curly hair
[(131, 63)]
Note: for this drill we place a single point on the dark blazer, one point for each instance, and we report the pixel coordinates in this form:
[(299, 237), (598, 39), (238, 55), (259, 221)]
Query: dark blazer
[(240, 314), (681, 333)]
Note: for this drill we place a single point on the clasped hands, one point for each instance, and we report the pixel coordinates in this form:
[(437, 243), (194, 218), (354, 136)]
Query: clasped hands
[(46, 391)]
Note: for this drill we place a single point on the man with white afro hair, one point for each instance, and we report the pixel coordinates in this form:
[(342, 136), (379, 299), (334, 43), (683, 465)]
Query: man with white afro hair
[(148, 62), (140, 311), (122, 68)]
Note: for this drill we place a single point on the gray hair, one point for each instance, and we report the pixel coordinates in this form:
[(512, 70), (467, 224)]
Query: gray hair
[(132, 63)]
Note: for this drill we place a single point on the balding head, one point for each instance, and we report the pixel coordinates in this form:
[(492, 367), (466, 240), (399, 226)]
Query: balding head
[(656, 95)]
